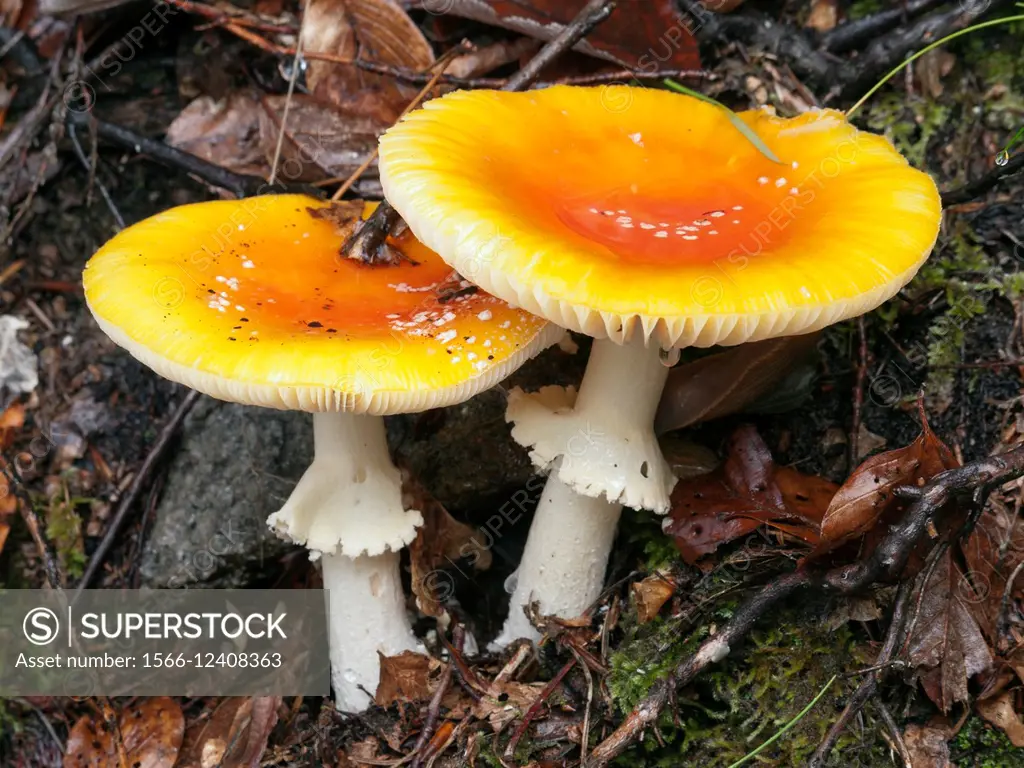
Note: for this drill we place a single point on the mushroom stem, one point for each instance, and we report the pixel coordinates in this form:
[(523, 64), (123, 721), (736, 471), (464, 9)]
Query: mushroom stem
[(565, 558), (348, 506), (367, 615), (603, 453), (606, 438)]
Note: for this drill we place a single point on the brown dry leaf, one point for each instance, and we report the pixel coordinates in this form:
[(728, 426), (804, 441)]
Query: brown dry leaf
[(743, 495), (241, 133), (727, 382), (992, 552), (151, 731), (927, 745), (651, 594), (506, 701), (722, 6), (824, 15), (867, 493), (947, 646), (643, 35), (404, 678), (356, 755), (224, 132), (234, 736), (1001, 713), (441, 541), (377, 31)]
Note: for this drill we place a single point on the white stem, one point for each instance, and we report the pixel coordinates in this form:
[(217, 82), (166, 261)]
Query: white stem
[(606, 439), (565, 558), (348, 507), (349, 501), (368, 615)]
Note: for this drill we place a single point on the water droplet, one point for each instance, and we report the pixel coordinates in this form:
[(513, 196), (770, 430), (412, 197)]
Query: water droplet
[(670, 357), (512, 582), (1003, 158)]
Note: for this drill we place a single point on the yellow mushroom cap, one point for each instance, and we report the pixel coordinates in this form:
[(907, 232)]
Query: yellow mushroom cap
[(250, 301), (612, 209)]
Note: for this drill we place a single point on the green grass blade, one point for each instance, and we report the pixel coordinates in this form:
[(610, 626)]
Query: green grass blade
[(786, 727), (923, 51), (742, 127)]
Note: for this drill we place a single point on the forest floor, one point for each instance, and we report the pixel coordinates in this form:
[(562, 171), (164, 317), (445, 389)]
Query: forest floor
[(98, 431)]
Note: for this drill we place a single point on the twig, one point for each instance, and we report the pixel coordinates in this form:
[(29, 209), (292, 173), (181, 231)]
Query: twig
[(894, 732), (152, 459), (440, 66), (978, 187), (1003, 619), (367, 243), (240, 185), (90, 168), (535, 708), (287, 108), (884, 563), (869, 685), (592, 14), (858, 392), (433, 713), (859, 31), (585, 736)]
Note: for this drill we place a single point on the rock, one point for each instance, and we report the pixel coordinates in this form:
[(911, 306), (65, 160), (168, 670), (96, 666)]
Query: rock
[(465, 455), (235, 466)]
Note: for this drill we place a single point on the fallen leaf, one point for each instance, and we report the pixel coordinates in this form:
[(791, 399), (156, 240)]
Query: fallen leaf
[(824, 15), (646, 36), (651, 594), (727, 382), (377, 31), (505, 701), (404, 678), (151, 730), (225, 132), (234, 736), (1001, 713), (487, 58), (747, 492), (441, 541), (947, 647), (928, 746), (868, 492), (992, 552), (241, 133), (356, 755)]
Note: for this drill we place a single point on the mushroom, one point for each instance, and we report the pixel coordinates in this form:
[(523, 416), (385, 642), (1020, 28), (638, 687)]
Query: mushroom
[(250, 302), (644, 219)]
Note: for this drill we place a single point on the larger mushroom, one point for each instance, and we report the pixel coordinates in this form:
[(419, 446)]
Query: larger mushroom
[(643, 218), (251, 302)]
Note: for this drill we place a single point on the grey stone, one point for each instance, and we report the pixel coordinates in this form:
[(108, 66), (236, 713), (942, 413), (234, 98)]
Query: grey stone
[(234, 467)]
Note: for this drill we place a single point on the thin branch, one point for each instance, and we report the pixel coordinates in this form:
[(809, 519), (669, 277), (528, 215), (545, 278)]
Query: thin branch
[(884, 563), (869, 685), (367, 243), (975, 189), (238, 184), (128, 500)]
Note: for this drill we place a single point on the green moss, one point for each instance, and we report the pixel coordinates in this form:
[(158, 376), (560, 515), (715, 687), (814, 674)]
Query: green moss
[(64, 529), (909, 123), (737, 705), (979, 745)]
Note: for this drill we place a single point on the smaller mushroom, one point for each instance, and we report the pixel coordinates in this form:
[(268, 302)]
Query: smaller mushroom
[(651, 229), (250, 302)]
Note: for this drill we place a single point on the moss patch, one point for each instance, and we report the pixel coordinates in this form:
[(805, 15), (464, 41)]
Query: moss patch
[(739, 704)]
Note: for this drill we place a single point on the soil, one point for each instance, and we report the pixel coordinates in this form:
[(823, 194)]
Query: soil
[(201, 520)]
